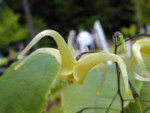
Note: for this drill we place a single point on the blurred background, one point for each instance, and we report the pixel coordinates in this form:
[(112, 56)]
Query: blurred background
[(21, 20)]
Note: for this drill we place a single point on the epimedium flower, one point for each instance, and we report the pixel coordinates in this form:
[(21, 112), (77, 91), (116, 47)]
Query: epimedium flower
[(73, 70), (141, 48)]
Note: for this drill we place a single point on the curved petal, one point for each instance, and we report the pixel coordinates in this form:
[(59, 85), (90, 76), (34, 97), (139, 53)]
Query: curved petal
[(145, 51), (84, 65), (53, 52), (70, 41), (132, 69), (67, 58), (142, 47)]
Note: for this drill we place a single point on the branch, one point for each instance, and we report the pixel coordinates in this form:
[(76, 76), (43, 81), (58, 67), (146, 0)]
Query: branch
[(95, 108)]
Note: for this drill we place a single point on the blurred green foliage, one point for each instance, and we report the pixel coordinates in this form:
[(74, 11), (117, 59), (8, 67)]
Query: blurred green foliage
[(62, 15), (39, 26), (10, 28), (129, 31), (143, 9)]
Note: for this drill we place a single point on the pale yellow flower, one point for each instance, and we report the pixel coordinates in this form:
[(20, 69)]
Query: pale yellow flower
[(121, 39), (141, 48), (121, 47), (73, 70)]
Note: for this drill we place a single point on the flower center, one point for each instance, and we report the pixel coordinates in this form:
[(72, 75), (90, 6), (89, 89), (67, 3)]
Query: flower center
[(71, 79)]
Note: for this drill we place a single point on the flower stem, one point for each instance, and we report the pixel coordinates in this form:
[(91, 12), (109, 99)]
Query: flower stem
[(118, 78), (111, 103), (95, 108)]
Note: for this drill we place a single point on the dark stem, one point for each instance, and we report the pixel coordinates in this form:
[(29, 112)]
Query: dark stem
[(118, 82), (131, 100), (134, 92), (109, 107), (118, 78), (136, 36), (84, 53), (119, 91), (146, 110), (144, 100), (95, 108)]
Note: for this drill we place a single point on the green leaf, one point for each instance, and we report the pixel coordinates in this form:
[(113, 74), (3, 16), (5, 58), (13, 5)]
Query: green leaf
[(133, 108), (145, 91), (10, 28), (144, 101), (76, 97), (25, 90), (145, 95)]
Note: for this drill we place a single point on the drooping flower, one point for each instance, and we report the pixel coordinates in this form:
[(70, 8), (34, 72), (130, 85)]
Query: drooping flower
[(73, 70), (141, 48)]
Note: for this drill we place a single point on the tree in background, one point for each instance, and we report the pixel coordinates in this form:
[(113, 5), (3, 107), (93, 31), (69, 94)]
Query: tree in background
[(146, 11), (28, 16), (62, 15), (142, 8)]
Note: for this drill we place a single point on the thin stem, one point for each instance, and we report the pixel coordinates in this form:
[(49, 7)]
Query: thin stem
[(147, 109), (95, 108), (144, 100), (134, 100), (131, 100), (134, 92), (118, 78), (136, 36), (80, 55), (119, 91), (109, 107)]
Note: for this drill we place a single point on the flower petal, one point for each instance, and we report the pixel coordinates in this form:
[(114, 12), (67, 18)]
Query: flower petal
[(141, 48), (84, 65), (137, 76), (68, 60), (70, 41)]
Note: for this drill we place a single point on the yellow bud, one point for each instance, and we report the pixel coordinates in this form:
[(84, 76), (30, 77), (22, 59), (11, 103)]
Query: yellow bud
[(16, 67), (19, 57), (128, 91), (97, 93)]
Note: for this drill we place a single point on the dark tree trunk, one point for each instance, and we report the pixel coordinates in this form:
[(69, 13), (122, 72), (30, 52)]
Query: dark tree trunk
[(29, 19)]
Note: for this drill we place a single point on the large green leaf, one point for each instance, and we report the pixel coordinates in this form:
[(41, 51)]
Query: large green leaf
[(145, 96), (75, 97), (145, 92), (25, 90)]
